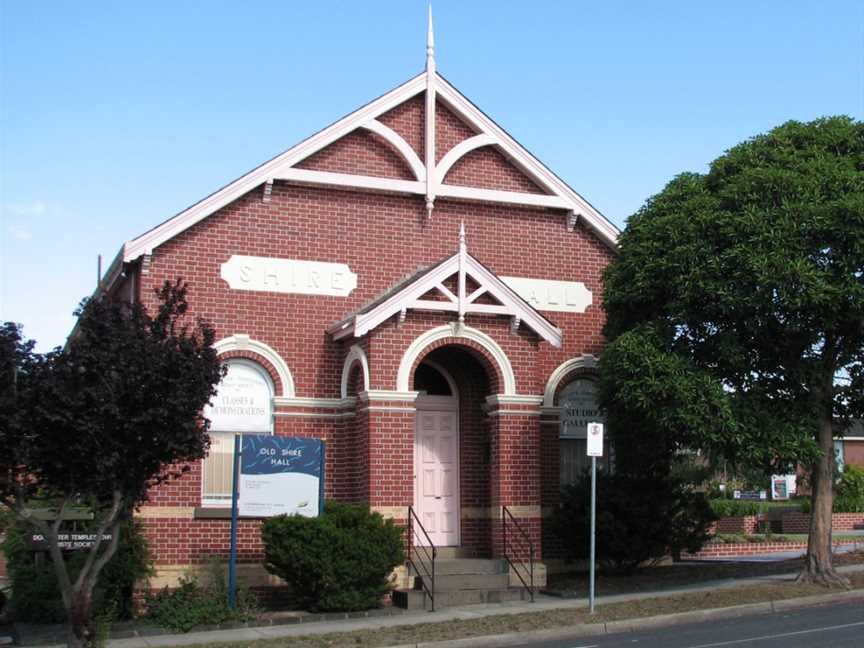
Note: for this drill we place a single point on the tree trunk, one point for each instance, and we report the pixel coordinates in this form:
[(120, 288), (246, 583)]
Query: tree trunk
[(818, 563), (80, 631)]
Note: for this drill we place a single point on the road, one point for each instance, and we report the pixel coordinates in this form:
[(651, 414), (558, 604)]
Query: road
[(816, 627)]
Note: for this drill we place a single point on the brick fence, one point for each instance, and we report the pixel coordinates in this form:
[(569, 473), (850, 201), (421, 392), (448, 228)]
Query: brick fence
[(800, 522), (722, 550)]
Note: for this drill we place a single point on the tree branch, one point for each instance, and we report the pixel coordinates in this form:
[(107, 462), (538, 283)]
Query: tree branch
[(94, 550)]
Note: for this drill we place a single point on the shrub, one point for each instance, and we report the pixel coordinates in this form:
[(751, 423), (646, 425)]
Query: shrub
[(338, 561), (850, 491), (195, 602), (724, 508), (639, 519), (36, 595)]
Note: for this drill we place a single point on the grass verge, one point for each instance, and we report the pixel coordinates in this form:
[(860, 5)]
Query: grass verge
[(505, 623)]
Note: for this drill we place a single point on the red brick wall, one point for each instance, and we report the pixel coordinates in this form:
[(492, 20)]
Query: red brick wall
[(383, 238), (800, 522)]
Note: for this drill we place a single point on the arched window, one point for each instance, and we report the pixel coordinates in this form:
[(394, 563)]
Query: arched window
[(578, 403), (244, 403)]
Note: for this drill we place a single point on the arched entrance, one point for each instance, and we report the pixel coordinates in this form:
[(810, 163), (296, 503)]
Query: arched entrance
[(451, 448)]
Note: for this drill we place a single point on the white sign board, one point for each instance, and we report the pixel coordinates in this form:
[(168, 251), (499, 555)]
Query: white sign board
[(288, 276), (551, 295), (243, 402), (595, 440)]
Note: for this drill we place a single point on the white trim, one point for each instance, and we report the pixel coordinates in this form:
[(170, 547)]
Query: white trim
[(387, 408), (562, 196), (585, 361), (850, 438), (465, 265), (400, 146), (328, 403), (329, 178), (241, 342), (513, 399), (506, 412), (145, 243), (459, 151), (530, 165), (316, 415), (387, 395), (464, 332), (355, 354)]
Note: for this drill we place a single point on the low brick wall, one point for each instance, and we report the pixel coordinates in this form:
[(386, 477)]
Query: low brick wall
[(722, 550), (800, 522), (746, 524)]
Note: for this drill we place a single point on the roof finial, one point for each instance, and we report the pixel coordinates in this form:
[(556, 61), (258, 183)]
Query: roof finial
[(430, 44), (462, 245)]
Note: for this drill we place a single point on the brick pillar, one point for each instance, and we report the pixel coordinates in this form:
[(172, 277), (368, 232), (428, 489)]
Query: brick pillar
[(390, 454), (515, 475)]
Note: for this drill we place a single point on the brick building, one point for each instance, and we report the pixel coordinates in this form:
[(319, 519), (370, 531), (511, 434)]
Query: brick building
[(409, 285)]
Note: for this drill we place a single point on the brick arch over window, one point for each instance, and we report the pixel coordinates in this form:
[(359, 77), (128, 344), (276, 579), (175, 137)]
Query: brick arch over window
[(585, 365), (242, 346), (491, 355)]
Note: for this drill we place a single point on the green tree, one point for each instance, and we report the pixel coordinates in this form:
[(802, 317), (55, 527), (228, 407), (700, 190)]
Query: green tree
[(736, 310), (98, 423)]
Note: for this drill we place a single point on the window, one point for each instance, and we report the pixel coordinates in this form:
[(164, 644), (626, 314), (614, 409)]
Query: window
[(578, 402), (244, 403)]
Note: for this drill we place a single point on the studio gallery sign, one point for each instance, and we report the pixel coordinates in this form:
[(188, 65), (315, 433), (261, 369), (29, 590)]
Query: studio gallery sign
[(280, 475), (579, 408), (288, 276)]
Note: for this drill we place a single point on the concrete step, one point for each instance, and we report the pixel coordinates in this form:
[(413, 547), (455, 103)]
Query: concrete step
[(451, 582), (445, 553), (419, 600), (449, 566)]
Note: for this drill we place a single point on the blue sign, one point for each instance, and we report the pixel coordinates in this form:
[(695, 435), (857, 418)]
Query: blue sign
[(281, 475)]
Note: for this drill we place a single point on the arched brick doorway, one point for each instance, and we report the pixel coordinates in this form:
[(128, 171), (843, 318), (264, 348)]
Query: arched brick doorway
[(452, 446)]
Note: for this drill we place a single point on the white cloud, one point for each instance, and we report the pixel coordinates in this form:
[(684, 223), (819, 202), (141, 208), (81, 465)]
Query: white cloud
[(34, 208), (19, 233)]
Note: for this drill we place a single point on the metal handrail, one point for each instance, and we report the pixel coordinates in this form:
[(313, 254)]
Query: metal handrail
[(429, 571), (505, 513)]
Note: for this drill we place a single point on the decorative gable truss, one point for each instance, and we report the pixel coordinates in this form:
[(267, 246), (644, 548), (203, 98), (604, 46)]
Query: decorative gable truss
[(463, 267), (428, 175)]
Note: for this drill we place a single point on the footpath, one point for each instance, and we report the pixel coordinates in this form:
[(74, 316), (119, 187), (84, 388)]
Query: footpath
[(543, 604)]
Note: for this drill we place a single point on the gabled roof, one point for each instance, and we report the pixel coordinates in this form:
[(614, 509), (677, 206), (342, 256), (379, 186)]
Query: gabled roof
[(428, 175), (409, 295)]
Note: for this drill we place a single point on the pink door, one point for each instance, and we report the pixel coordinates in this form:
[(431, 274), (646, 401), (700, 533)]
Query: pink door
[(436, 461)]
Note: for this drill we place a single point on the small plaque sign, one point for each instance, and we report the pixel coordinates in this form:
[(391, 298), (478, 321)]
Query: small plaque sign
[(595, 440), (67, 541)]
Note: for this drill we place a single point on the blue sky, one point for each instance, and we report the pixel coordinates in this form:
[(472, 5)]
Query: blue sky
[(116, 115)]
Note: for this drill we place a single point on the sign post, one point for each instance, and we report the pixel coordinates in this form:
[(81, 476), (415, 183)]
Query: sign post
[(595, 449), (232, 560)]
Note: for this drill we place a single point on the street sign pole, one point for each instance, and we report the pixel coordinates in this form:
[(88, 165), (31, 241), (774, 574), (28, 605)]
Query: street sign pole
[(594, 449), (593, 530), (232, 560)]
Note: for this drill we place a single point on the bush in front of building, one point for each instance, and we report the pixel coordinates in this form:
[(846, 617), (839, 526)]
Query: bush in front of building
[(199, 601), (640, 520), (724, 508), (338, 561), (36, 595), (850, 491)]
